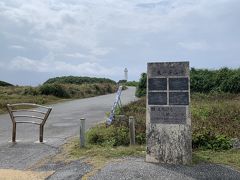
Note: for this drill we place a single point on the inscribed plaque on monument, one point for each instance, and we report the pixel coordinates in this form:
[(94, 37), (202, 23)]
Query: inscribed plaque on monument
[(168, 115), (167, 69), (157, 84), (178, 98), (178, 83), (157, 98)]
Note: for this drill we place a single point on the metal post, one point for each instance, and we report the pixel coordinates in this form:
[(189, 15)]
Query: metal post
[(14, 132), (41, 134), (132, 130), (82, 132)]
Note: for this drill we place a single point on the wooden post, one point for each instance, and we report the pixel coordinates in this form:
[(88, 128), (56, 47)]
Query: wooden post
[(132, 130), (82, 132)]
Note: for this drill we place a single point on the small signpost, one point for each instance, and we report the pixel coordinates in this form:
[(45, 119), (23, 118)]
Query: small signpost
[(117, 104)]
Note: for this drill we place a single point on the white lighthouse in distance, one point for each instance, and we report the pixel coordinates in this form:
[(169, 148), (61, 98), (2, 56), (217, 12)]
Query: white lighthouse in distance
[(126, 74)]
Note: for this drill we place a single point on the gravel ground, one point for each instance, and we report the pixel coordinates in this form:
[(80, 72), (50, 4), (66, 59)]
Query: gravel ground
[(137, 168), (62, 171)]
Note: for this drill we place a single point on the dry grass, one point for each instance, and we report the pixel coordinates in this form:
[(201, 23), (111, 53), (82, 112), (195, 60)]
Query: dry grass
[(16, 94)]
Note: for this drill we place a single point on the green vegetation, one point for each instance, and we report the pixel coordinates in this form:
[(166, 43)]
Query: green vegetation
[(49, 93), (118, 133), (2, 83), (78, 80), (52, 92), (122, 81), (215, 120), (132, 83), (211, 141), (108, 136), (128, 83), (76, 91), (222, 80), (142, 86), (16, 94), (106, 151), (205, 81), (215, 114)]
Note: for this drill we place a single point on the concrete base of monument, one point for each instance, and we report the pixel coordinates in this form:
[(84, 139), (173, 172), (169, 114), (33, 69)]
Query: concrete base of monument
[(169, 144)]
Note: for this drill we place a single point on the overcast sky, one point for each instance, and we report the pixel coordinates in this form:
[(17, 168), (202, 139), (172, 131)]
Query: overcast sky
[(47, 38)]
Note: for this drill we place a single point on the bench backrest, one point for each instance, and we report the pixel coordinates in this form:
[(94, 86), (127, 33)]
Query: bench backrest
[(22, 110)]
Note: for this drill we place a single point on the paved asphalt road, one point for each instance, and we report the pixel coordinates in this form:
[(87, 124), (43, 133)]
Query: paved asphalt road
[(62, 124)]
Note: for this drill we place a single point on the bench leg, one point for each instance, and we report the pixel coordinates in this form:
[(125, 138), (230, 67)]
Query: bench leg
[(14, 132), (41, 133)]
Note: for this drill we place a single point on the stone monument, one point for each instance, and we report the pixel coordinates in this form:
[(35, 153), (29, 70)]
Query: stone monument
[(168, 123)]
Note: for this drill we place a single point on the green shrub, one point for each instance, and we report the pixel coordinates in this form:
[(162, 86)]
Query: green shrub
[(122, 81), (2, 83), (108, 136), (140, 138), (78, 80), (222, 80), (132, 83), (211, 141), (54, 89), (31, 91), (142, 85)]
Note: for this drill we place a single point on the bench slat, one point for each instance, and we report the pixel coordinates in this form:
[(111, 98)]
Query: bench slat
[(27, 116), (28, 110)]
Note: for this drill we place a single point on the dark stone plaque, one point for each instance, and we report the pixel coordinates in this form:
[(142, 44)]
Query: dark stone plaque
[(178, 98), (157, 84), (178, 83), (168, 115), (168, 69), (157, 98)]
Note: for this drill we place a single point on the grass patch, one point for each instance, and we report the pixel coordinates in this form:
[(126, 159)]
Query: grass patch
[(106, 152), (229, 157)]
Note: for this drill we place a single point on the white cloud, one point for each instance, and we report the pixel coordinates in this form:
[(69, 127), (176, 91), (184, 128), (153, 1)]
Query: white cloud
[(17, 47), (89, 34), (48, 66), (77, 55)]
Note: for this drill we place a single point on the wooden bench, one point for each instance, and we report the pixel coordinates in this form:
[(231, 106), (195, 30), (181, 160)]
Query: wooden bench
[(40, 114)]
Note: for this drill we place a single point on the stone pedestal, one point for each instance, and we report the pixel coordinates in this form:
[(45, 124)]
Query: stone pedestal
[(168, 123)]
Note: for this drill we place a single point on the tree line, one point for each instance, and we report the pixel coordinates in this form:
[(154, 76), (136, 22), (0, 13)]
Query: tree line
[(78, 80), (205, 81)]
